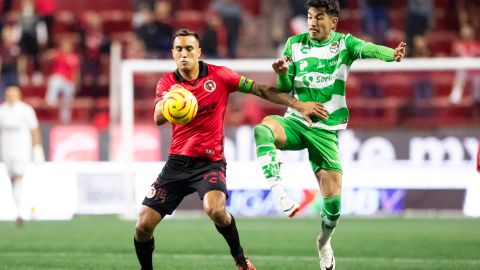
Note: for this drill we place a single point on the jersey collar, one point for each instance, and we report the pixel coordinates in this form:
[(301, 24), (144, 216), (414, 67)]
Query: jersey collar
[(326, 41), (203, 72)]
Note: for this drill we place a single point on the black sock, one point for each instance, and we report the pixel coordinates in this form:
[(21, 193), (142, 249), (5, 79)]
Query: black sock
[(144, 252), (230, 234)]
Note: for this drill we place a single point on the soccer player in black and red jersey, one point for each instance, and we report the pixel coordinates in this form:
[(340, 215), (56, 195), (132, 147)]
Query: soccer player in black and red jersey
[(196, 162)]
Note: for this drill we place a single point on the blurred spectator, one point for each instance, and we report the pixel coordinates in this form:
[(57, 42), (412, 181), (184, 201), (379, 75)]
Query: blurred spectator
[(138, 4), (157, 31), (143, 82), (466, 46), (372, 90), (135, 49), (33, 33), (375, 19), (63, 79), (468, 14), (277, 16), (231, 13), (423, 90), (140, 15), (420, 19), (298, 22), (9, 51), (213, 38), (94, 47), (5, 8), (420, 47), (46, 11)]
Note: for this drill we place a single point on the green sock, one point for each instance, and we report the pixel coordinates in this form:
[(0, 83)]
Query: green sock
[(331, 211), (330, 215), (267, 153)]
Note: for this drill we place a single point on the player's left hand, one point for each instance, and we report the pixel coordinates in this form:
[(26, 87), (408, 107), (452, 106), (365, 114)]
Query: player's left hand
[(280, 66), (399, 52)]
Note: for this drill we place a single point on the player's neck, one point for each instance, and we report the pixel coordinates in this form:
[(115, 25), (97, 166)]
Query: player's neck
[(191, 74)]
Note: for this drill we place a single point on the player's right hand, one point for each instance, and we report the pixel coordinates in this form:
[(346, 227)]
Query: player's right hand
[(280, 66), (309, 109)]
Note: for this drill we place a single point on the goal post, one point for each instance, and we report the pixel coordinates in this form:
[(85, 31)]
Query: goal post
[(130, 66), (122, 95)]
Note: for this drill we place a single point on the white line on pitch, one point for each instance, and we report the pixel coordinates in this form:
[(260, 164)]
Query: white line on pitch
[(448, 261)]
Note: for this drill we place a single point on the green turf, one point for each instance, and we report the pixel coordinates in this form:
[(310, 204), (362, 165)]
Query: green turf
[(105, 242)]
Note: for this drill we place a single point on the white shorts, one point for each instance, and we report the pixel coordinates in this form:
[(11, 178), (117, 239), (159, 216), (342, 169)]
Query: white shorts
[(16, 167)]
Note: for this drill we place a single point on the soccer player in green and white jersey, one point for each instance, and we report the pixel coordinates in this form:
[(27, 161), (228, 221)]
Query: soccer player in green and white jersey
[(314, 68)]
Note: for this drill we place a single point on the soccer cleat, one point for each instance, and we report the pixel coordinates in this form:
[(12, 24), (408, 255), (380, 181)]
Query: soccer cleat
[(287, 205), (243, 262), (325, 254)]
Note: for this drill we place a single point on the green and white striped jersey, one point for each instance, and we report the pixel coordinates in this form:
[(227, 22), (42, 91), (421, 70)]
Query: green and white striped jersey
[(318, 72)]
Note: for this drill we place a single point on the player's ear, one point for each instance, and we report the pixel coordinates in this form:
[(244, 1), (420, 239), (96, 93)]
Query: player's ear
[(199, 52), (334, 22)]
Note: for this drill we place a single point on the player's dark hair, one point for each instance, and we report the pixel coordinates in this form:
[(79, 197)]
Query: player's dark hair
[(332, 7), (185, 33)]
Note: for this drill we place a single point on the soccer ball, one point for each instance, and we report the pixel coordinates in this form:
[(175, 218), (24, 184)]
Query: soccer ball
[(179, 106)]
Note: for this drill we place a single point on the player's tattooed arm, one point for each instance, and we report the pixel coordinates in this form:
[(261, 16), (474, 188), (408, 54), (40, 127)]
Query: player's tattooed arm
[(158, 115), (307, 109)]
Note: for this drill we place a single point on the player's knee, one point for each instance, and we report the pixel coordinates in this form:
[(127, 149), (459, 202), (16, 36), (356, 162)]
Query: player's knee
[(262, 132), (144, 230), (145, 226), (216, 213)]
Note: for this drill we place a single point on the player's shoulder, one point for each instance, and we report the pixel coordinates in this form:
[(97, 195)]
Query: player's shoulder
[(217, 69), (298, 38), (167, 78), (345, 36), (213, 67), (25, 106), (338, 36)]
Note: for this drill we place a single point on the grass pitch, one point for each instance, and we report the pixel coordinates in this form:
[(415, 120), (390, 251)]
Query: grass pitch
[(105, 242)]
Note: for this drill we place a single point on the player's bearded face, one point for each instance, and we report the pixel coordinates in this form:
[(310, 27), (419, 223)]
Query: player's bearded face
[(320, 24), (186, 52)]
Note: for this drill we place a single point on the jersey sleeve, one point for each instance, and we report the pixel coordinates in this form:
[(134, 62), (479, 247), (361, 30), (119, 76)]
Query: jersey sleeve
[(360, 49), (285, 82), (236, 82), (32, 120), (162, 88)]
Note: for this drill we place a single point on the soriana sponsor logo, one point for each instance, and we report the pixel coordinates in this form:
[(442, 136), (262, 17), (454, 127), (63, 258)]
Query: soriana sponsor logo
[(74, 143)]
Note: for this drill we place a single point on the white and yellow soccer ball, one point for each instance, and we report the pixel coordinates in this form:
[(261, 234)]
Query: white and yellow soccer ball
[(179, 106)]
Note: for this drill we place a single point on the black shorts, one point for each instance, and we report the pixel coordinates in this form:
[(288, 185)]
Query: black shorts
[(182, 176)]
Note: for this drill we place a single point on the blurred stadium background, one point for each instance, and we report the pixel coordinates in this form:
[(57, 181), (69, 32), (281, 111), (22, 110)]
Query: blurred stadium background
[(411, 190)]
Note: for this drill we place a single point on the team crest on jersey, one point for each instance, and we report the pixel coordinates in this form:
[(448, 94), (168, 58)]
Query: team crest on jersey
[(209, 86), (151, 192), (334, 47)]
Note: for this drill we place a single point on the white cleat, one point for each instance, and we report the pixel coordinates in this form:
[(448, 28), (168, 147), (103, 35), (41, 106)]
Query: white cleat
[(325, 254), (288, 206)]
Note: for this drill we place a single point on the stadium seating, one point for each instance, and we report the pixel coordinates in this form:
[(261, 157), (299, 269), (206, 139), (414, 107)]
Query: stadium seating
[(397, 90)]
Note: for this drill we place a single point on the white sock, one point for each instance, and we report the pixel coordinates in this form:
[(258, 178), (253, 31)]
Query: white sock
[(325, 236), (277, 189), (17, 189)]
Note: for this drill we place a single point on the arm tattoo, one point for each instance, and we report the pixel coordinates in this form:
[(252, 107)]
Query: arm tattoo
[(272, 94)]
